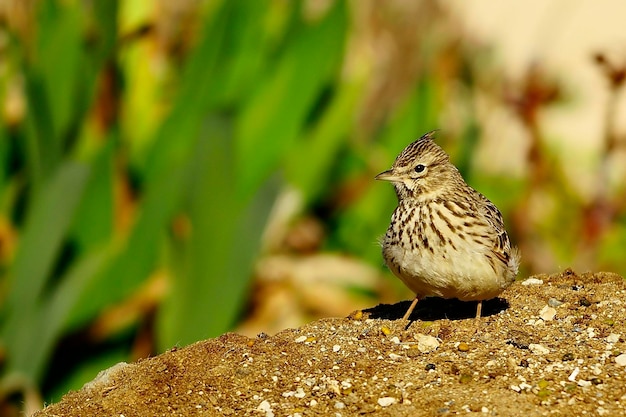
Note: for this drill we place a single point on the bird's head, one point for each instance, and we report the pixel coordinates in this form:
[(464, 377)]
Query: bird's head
[(422, 171)]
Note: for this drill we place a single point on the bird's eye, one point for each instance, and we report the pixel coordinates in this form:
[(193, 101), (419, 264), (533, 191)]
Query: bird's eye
[(420, 168)]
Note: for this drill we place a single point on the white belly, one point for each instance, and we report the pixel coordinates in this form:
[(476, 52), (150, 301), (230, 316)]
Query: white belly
[(458, 274)]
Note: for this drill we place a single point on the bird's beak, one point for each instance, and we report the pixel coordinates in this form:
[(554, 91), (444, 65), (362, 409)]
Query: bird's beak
[(388, 175)]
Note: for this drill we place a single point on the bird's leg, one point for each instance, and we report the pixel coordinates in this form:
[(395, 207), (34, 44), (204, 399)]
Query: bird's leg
[(479, 309), (410, 310)]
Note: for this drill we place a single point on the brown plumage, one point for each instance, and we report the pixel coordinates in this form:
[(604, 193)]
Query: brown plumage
[(445, 238)]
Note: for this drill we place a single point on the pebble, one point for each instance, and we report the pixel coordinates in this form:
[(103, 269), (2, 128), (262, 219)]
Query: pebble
[(621, 359), (463, 347), (300, 339), (426, 343), (386, 401), (336, 348), (547, 313), (613, 338), (532, 281), (538, 349), (525, 387), (553, 302), (266, 408)]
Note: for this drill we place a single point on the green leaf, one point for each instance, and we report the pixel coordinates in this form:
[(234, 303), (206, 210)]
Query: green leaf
[(46, 227), (309, 163), (209, 287), (52, 80), (93, 225), (136, 258), (49, 319), (277, 112)]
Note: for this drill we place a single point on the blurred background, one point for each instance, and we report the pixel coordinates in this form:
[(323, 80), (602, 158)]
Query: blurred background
[(173, 170)]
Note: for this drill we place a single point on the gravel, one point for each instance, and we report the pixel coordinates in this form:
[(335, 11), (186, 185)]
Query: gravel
[(551, 345)]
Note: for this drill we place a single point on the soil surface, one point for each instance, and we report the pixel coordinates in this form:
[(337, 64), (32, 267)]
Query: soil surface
[(551, 345)]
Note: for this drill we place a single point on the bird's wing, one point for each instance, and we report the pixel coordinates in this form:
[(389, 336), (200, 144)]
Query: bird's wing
[(493, 217)]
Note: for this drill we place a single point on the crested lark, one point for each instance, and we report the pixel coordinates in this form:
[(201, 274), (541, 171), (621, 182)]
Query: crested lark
[(445, 238)]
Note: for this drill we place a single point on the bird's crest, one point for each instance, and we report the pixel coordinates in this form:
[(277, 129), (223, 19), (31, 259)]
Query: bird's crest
[(424, 144)]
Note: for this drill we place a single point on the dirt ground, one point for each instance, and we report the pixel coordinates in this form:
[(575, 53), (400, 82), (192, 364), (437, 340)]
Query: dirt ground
[(551, 345)]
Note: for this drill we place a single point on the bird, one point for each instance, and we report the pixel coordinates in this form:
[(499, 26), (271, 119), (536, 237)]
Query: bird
[(445, 238)]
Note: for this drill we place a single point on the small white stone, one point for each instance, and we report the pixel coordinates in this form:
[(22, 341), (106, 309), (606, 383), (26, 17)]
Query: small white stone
[(484, 410), (336, 348), (532, 281), (386, 401), (426, 343), (301, 339), (574, 374), (394, 356), (312, 403), (613, 338), (583, 383), (547, 313), (266, 408), (395, 340), (602, 411), (538, 349), (299, 393), (339, 405), (621, 359)]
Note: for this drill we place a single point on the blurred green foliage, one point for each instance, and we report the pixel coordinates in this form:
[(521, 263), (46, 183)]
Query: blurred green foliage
[(186, 151)]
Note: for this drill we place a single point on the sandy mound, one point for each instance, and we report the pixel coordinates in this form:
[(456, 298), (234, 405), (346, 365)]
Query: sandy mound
[(551, 344)]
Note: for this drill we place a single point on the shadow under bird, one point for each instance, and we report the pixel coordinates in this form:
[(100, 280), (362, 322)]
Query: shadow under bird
[(445, 238)]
